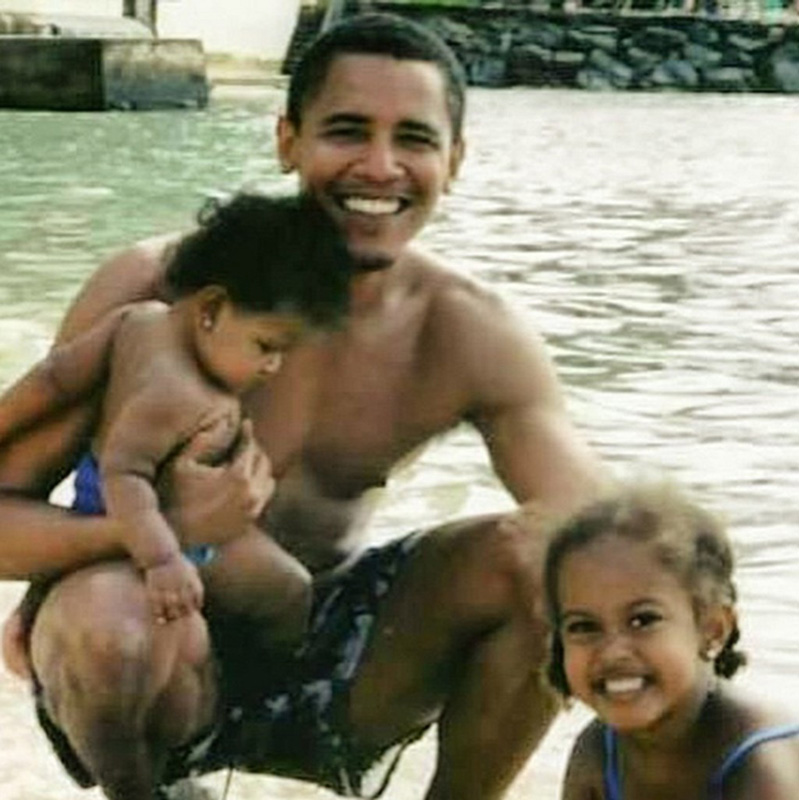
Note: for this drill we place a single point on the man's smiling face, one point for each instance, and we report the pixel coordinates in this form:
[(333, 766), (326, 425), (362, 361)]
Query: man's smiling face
[(375, 148)]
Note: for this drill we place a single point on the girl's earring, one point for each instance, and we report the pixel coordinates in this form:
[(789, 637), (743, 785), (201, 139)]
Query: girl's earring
[(206, 323)]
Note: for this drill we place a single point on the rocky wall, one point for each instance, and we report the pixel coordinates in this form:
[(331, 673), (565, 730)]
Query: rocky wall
[(592, 50)]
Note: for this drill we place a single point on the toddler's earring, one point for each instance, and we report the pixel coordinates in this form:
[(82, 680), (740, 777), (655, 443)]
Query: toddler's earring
[(710, 653), (206, 323)]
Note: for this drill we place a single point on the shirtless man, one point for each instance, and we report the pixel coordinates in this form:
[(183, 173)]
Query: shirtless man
[(442, 627)]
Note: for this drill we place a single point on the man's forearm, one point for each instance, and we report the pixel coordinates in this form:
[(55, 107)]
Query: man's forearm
[(37, 539)]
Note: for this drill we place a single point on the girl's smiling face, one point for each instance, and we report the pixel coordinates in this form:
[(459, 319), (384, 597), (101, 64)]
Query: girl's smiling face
[(632, 642)]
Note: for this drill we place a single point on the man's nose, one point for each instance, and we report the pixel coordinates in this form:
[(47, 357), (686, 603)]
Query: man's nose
[(379, 161)]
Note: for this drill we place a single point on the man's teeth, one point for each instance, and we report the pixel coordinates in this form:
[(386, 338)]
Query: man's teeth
[(622, 685), (372, 206)]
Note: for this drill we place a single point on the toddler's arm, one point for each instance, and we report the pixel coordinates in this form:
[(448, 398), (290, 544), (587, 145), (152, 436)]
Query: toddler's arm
[(173, 583), (140, 440)]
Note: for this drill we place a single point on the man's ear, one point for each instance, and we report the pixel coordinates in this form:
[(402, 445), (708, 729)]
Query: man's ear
[(455, 160), (286, 140)]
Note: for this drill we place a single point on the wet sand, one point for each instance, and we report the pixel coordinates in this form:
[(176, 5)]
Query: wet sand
[(30, 771)]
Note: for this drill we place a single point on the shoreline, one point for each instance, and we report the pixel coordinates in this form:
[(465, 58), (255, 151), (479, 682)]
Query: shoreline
[(227, 70)]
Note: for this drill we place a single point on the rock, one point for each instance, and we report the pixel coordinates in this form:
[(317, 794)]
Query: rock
[(729, 79), (487, 71), (783, 68), (618, 74), (703, 58), (661, 40), (543, 34), (674, 73)]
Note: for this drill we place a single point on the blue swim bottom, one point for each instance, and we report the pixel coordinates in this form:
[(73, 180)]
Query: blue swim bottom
[(89, 500)]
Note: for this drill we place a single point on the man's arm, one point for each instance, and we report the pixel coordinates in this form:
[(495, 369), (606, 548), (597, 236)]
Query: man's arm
[(583, 778), (518, 406), (128, 277)]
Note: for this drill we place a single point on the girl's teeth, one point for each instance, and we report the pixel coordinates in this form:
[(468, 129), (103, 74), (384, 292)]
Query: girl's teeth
[(622, 685), (368, 205)]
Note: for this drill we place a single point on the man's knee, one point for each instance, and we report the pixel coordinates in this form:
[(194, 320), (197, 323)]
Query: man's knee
[(94, 634), (98, 654), (88, 637), (500, 560)]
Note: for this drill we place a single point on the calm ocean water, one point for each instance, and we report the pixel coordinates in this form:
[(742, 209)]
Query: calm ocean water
[(653, 238)]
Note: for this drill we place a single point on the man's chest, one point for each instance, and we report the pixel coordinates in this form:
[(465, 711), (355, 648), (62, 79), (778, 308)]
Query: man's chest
[(349, 413)]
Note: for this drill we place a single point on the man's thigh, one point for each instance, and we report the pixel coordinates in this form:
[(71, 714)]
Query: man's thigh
[(461, 581)]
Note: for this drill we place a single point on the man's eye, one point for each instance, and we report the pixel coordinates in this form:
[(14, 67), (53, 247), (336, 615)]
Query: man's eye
[(345, 133), (419, 140)]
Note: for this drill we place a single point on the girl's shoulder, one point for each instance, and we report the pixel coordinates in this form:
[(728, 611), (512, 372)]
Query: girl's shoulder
[(763, 759)]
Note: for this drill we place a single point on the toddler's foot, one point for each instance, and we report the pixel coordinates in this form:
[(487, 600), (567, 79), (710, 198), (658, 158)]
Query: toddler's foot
[(15, 647)]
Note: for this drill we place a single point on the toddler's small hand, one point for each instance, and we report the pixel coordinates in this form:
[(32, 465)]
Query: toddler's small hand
[(174, 588)]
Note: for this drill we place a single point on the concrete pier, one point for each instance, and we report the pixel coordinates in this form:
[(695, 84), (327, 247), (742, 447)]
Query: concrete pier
[(90, 64)]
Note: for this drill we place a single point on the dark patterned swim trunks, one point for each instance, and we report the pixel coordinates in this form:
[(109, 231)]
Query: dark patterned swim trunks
[(293, 722)]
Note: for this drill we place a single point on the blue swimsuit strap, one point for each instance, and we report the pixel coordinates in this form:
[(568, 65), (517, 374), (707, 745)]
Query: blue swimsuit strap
[(610, 772), (610, 767), (742, 749)]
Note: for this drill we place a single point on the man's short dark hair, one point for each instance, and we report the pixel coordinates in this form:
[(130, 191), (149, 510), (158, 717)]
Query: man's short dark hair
[(269, 253), (381, 35)]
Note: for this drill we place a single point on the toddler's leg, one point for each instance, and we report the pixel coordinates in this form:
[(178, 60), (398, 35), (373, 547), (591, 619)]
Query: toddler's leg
[(254, 578)]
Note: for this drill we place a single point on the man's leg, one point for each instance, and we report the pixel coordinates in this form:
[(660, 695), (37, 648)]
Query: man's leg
[(254, 578), (461, 638), (122, 688)]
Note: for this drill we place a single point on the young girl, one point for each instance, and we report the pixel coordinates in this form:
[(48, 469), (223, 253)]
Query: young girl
[(642, 605), (257, 275)]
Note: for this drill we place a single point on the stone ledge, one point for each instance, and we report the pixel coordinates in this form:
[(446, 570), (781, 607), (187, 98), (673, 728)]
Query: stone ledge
[(606, 51), (95, 74)]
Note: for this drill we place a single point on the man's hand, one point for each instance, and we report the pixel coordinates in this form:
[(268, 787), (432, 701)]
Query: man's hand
[(213, 504), (174, 588)]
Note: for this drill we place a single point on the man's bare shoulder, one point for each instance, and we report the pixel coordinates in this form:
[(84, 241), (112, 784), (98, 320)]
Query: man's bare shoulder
[(459, 297), (484, 331), (130, 275), (584, 778)]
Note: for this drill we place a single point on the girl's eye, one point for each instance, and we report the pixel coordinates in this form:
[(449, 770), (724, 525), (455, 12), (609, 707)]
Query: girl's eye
[(579, 628), (645, 619)]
